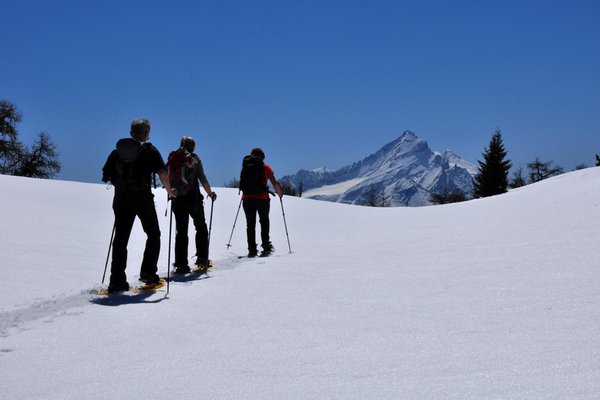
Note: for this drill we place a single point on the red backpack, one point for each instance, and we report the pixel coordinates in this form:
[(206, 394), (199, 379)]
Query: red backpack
[(181, 165)]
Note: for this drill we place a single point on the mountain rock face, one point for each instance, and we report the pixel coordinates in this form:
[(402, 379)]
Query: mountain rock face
[(406, 172)]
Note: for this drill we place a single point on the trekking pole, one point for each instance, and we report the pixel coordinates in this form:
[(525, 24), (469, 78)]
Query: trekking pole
[(212, 204), (234, 221), (169, 256), (109, 247), (285, 224)]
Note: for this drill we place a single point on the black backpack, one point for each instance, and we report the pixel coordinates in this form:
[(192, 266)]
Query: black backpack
[(252, 177), (126, 171)]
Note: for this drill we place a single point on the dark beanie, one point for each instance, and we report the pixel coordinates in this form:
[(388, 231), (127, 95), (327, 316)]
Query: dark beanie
[(257, 151)]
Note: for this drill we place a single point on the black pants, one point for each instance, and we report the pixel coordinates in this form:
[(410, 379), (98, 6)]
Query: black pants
[(126, 207), (251, 208), (184, 207)]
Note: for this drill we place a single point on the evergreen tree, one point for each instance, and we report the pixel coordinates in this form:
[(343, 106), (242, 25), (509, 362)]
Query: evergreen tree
[(492, 178)]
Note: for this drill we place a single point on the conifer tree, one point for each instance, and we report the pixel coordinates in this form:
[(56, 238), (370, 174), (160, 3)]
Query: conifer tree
[(492, 178)]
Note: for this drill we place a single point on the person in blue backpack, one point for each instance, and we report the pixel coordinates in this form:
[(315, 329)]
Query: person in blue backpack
[(129, 168), (185, 174)]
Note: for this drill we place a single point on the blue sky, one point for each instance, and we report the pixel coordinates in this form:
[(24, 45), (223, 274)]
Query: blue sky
[(314, 83)]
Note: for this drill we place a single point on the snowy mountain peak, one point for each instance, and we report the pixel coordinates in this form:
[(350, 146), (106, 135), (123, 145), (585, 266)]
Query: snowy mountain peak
[(406, 170), (407, 136)]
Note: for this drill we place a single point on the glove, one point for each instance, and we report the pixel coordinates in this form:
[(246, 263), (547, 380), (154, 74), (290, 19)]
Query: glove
[(213, 196)]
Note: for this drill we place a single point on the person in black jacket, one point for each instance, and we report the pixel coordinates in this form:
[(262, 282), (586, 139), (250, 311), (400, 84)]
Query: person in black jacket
[(129, 168), (254, 179), (186, 172)]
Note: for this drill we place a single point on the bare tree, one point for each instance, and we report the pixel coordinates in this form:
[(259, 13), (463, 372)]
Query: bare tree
[(539, 170), (234, 183), (10, 147), (41, 161), (371, 198), (288, 189), (15, 159), (384, 199), (518, 179), (448, 197)]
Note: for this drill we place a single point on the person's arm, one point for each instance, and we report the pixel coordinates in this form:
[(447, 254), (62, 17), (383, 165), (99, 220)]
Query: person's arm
[(204, 181), (276, 185), (209, 191), (164, 178), (109, 167), (159, 167)]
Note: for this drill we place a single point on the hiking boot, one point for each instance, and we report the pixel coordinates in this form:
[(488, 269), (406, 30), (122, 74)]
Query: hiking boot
[(182, 270), (149, 279), (252, 253), (204, 264), (118, 287), (267, 249), (203, 267)]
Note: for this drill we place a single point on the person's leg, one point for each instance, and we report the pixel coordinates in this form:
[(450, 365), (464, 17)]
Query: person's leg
[(250, 212), (199, 220), (146, 212), (181, 234), (124, 218), (265, 225)]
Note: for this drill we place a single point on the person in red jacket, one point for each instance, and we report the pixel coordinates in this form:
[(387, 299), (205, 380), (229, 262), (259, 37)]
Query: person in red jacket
[(254, 185)]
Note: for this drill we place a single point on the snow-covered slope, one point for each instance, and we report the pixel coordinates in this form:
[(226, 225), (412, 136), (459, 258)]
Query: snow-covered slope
[(406, 170), (495, 298)]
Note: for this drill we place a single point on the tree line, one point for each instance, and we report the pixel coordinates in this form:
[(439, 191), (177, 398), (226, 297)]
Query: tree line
[(493, 174), (40, 160), (492, 177)]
